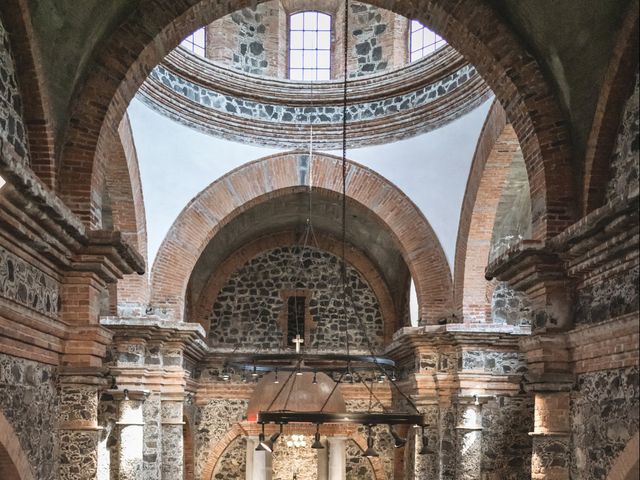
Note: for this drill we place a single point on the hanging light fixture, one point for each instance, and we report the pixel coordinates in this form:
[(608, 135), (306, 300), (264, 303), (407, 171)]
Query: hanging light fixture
[(398, 441), (370, 451), (317, 444)]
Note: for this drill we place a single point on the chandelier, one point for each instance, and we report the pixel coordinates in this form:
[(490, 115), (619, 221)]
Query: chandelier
[(303, 368)]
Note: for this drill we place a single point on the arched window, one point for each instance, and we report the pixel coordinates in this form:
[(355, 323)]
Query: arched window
[(423, 41), (309, 46), (195, 42)]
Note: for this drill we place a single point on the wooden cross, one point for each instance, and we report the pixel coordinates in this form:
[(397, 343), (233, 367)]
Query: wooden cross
[(298, 341)]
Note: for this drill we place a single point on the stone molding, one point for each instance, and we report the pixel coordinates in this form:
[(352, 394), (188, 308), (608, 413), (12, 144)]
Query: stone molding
[(384, 107)]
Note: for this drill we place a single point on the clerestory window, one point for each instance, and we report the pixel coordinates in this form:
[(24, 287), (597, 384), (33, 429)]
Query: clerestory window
[(423, 41), (195, 42), (309, 46)]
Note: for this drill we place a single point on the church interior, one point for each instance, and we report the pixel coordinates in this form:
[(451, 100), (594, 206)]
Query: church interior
[(319, 240)]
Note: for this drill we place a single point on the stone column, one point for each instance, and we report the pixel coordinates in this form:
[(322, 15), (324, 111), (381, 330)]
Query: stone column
[(337, 458), (469, 438), (131, 430), (79, 430), (551, 434), (172, 441)]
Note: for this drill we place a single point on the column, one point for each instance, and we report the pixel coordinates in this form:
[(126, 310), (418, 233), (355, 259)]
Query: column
[(551, 435), (78, 428), (337, 458), (261, 461), (469, 438), (172, 444), (131, 430)]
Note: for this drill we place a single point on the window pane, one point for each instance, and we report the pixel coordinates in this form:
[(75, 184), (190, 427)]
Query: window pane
[(324, 40), (324, 22), (310, 59), (309, 75), (296, 40), (310, 40), (295, 74), (324, 59), (198, 37), (416, 40), (324, 74), (310, 20), (297, 21)]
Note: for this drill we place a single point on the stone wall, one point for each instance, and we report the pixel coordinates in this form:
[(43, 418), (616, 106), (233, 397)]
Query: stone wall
[(506, 444), (213, 420), (250, 39), (370, 27), (509, 306), (232, 463), (29, 401), (12, 127), (624, 162), (605, 415), (250, 308), (301, 461), (25, 284), (610, 298)]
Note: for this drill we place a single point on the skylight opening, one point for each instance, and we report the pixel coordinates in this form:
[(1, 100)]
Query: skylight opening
[(195, 42), (310, 46), (423, 41)]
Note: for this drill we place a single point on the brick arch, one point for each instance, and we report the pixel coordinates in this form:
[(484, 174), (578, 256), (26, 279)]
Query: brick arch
[(618, 83), (139, 43), (37, 118), (495, 149), (356, 259), (626, 465), (13, 451), (127, 208), (219, 448), (276, 176)]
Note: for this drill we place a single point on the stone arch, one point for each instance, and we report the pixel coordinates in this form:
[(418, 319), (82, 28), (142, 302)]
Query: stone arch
[(627, 464), (355, 258), (139, 43), (11, 452), (124, 190), (278, 175), (495, 149), (617, 85)]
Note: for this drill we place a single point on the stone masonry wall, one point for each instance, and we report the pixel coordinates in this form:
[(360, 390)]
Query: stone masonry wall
[(610, 298), (357, 466), (250, 39), (12, 128), (605, 415), (248, 307), (506, 444), (232, 463), (25, 284), (624, 162), (509, 306), (369, 28), (213, 420), (29, 401), (301, 461)]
